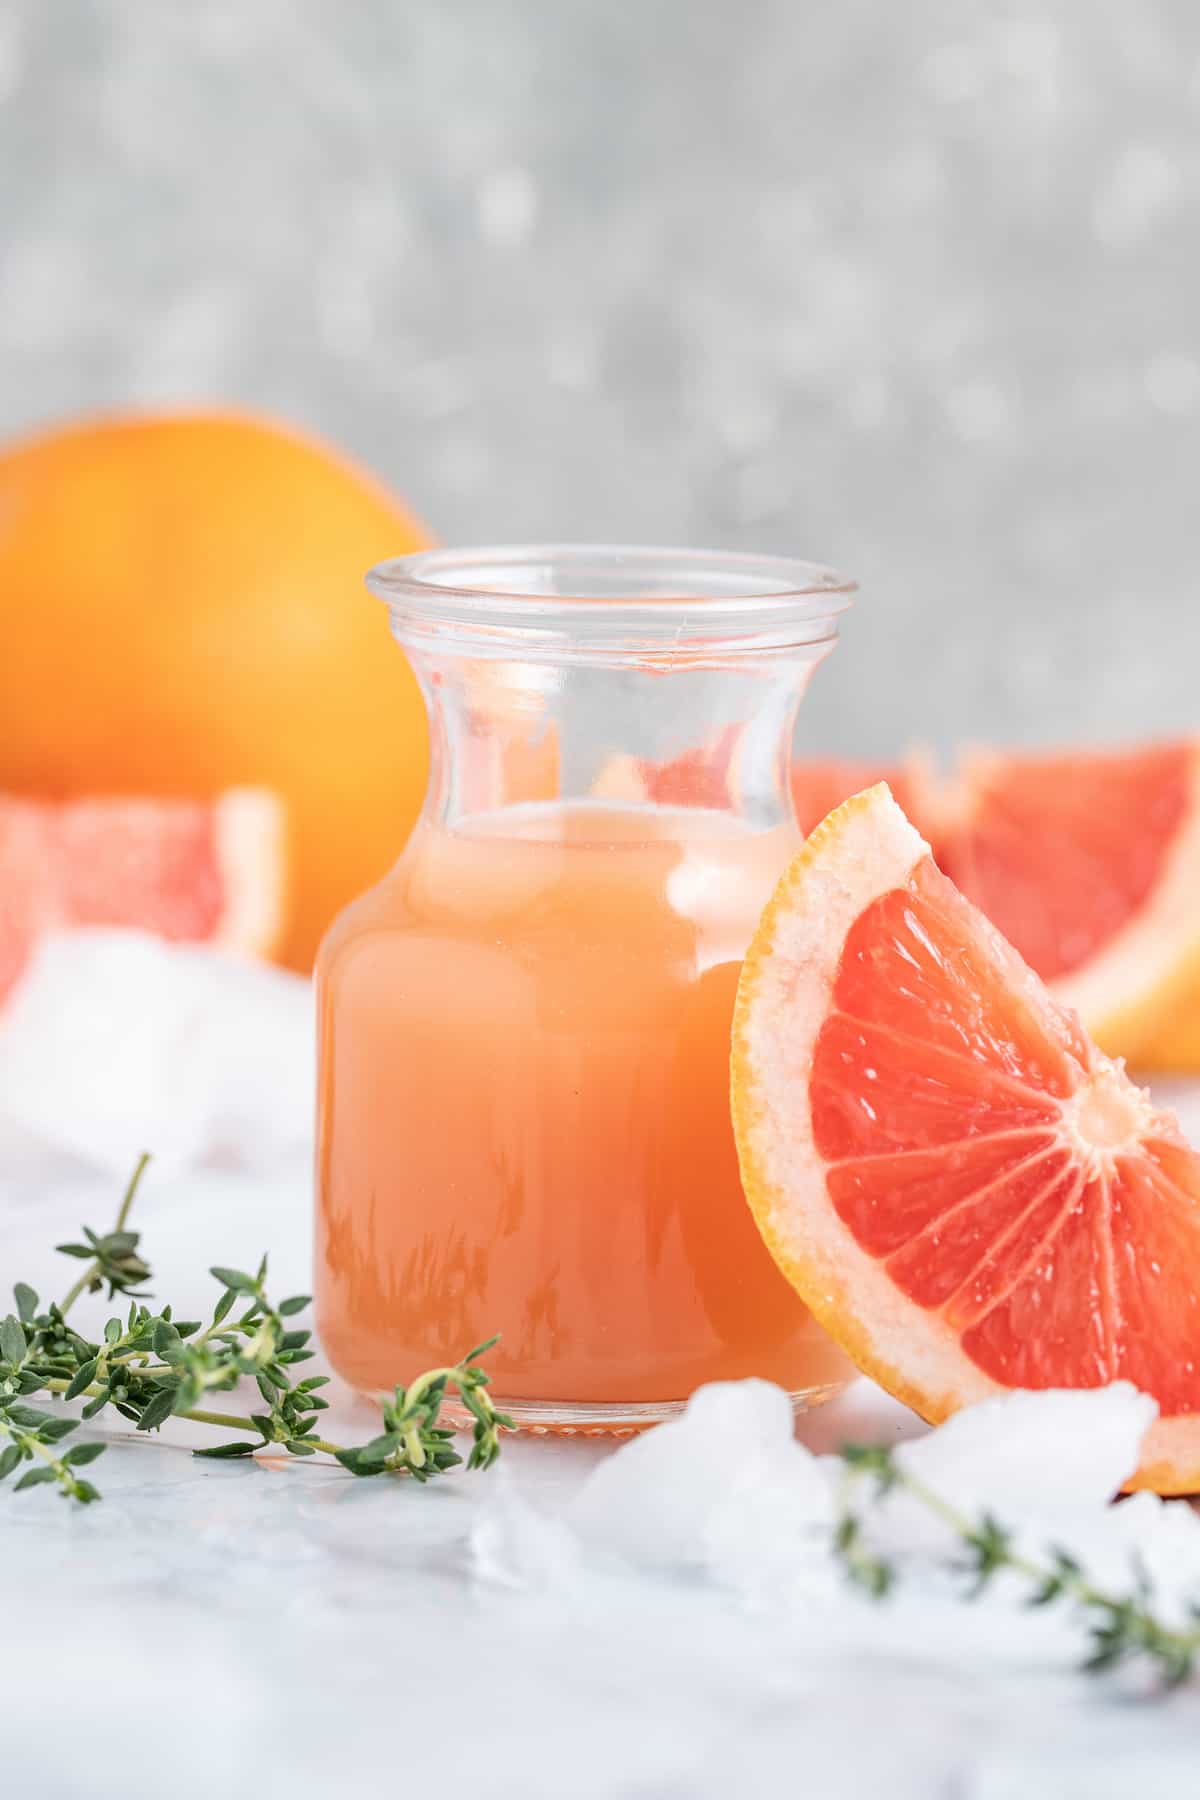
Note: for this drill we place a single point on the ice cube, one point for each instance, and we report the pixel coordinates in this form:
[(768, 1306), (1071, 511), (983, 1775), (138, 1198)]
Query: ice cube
[(769, 1536), (1029, 1454), (1037, 1463), (1143, 1537), (115, 1042), (686, 1493)]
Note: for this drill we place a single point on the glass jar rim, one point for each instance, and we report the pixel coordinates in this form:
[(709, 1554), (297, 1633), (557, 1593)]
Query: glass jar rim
[(612, 599)]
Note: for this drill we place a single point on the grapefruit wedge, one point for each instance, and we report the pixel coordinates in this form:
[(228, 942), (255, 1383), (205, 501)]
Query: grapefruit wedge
[(969, 1195), (193, 871), (1089, 863)]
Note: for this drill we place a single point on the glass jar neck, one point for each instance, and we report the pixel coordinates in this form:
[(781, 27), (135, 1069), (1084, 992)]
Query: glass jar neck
[(509, 732), (611, 675)]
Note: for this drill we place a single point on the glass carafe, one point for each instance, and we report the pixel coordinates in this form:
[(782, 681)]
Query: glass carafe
[(524, 1120)]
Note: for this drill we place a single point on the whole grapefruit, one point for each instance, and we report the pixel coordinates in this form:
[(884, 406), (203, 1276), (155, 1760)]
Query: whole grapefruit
[(182, 609)]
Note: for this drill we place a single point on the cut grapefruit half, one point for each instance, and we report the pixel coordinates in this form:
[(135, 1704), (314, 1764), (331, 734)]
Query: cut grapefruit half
[(969, 1195), (1089, 863), (193, 871)]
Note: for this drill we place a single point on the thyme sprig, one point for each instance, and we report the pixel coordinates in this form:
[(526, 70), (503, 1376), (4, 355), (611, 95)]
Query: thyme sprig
[(151, 1366), (1122, 1628)]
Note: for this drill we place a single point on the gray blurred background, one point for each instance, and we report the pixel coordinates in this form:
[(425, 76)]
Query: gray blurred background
[(913, 288)]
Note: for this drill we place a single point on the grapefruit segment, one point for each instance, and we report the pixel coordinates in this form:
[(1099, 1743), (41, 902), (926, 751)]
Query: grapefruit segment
[(1089, 863), (190, 871), (968, 1194)]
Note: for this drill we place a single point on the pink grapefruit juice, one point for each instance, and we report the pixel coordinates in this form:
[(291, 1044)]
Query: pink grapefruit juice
[(524, 1111)]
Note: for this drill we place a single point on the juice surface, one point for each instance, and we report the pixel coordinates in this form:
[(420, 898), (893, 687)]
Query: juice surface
[(524, 1112)]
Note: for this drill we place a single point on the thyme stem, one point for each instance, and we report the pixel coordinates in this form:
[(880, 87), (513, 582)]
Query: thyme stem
[(1122, 1627), (95, 1272), (151, 1367), (238, 1422)]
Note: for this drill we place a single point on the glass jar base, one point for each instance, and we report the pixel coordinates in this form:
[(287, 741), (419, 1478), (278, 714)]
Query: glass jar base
[(562, 1418)]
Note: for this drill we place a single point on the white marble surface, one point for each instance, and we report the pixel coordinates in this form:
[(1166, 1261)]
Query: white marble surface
[(281, 1626)]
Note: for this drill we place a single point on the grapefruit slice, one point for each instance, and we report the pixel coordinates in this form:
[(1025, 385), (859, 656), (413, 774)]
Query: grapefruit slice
[(195, 871), (968, 1194), (1089, 863)]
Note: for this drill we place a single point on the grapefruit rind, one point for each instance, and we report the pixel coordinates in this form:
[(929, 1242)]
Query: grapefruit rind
[(866, 849), (863, 850)]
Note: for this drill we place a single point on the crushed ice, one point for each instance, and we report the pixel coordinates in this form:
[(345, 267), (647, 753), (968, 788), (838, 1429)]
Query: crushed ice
[(668, 1498), (114, 1040), (1035, 1461), (726, 1495)]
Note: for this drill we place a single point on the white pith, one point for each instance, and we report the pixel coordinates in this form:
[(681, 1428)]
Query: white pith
[(249, 835), (1106, 1115), (865, 850)]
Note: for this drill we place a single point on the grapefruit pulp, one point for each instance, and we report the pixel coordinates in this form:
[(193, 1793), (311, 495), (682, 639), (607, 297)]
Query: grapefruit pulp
[(200, 872), (1089, 863), (968, 1194)]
